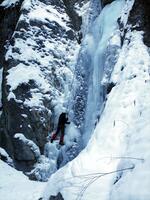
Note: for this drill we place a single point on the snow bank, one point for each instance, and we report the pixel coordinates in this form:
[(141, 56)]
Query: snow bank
[(15, 185), (3, 152), (134, 78)]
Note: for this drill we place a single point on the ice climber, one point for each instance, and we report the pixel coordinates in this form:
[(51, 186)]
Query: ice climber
[(63, 119)]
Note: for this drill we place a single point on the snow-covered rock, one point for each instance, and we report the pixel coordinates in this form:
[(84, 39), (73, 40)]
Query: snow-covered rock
[(9, 3), (30, 148), (5, 157), (38, 68)]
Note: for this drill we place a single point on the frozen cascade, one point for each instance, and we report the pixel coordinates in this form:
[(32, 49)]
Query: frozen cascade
[(97, 40), (84, 60)]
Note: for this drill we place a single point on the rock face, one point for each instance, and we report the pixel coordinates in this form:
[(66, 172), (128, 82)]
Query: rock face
[(8, 21), (105, 2), (75, 18), (37, 70), (140, 18), (58, 197)]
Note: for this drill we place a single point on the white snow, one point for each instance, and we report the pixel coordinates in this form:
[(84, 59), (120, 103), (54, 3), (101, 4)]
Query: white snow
[(46, 165), (29, 73), (8, 3), (51, 15), (72, 134), (15, 185), (3, 152), (22, 74), (82, 9), (135, 82), (126, 11), (7, 157), (35, 100)]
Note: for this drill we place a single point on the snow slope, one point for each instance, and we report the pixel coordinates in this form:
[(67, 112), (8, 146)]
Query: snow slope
[(15, 185), (115, 163)]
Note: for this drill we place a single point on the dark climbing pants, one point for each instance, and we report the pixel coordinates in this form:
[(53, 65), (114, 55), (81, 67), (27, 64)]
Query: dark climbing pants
[(60, 129)]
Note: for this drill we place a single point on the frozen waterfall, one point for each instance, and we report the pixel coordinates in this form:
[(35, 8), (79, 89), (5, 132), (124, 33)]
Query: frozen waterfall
[(96, 43)]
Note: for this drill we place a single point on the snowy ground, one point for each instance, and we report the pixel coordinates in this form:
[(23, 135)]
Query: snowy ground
[(15, 185)]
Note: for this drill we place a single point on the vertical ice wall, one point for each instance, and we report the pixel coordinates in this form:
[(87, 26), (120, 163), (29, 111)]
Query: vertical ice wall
[(96, 42), (83, 63)]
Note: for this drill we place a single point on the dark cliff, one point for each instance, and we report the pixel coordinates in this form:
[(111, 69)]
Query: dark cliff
[(140, 18)]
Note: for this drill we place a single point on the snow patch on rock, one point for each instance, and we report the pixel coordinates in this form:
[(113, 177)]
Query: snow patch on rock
[(29, 143), (9, 3)]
